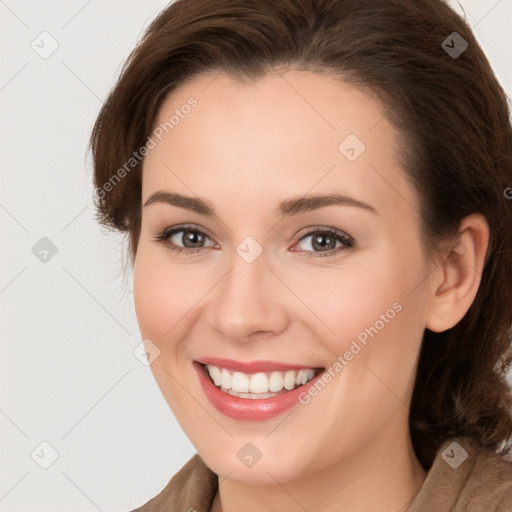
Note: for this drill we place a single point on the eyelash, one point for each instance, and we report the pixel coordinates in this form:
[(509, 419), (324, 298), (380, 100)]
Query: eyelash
[(345, 239)]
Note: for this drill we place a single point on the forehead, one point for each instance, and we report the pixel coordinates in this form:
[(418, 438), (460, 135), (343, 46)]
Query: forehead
[(264, 140)]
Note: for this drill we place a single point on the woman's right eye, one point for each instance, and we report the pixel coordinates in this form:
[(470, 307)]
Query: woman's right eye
[(185, 235)]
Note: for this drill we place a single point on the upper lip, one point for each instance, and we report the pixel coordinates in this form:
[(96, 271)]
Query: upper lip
[(252, 366)]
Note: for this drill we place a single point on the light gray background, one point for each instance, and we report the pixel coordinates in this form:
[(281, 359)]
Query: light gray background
[(68, 373)]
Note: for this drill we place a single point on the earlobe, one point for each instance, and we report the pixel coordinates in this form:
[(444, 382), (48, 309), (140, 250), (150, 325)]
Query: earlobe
[(459, 275)]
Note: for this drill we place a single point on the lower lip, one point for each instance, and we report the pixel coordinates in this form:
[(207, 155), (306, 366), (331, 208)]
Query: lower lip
[(250, 409)]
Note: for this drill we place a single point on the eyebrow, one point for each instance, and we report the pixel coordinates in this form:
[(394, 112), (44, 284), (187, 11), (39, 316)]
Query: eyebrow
[(291, 206)]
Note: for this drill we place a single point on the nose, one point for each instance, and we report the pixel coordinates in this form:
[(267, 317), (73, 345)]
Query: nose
[(249, 302)]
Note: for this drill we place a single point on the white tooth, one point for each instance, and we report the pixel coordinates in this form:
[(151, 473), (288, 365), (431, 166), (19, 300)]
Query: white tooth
[(258, 383), (240, 383), (310, 373), (253, 396), (214, 374), (289, 380), (225, 379), (275, 382), (300, 376)]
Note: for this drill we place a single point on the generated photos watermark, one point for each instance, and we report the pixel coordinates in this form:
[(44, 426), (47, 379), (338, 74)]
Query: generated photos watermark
[(151, 143), (356, 346)]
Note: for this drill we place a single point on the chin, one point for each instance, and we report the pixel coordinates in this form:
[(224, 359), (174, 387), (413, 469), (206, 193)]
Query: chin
[(273, 464)]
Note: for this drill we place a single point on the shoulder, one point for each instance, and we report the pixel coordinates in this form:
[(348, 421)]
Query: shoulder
[(466, 477), (192, 489), (489, 486)]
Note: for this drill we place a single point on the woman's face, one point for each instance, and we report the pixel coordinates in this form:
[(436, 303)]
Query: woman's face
[(259, 280)]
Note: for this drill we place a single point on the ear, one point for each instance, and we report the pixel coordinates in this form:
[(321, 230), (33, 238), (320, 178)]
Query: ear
[(458, 275)]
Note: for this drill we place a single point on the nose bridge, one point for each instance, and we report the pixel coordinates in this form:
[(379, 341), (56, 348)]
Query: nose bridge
[(247, 298)]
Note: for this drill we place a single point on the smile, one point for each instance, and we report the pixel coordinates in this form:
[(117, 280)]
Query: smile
[(260, 392)]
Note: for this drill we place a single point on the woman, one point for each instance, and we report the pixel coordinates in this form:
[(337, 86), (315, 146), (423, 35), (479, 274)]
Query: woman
[(315, 194)]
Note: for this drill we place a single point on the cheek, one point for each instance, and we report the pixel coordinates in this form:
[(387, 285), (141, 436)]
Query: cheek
[(355, 302), (159, 296), (372, 327), (161, 305), (169, 299)]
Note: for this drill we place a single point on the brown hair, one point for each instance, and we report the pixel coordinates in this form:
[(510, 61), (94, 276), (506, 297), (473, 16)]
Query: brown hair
[(456, 136)]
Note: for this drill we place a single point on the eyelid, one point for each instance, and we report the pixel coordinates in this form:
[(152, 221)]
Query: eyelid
[(310, 230), (169, 231)]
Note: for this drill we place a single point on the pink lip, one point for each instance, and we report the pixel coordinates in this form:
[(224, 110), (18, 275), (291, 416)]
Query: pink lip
[(251, 366), (249, 409)]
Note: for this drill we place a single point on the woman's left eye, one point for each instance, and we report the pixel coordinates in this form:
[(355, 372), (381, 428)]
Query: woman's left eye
[(195, 238), (326, 237)]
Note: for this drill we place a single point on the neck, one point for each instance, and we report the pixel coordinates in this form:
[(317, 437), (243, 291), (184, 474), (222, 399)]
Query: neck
[(385, 475)]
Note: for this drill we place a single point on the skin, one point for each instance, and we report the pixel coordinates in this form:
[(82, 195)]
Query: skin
[(245, 148)]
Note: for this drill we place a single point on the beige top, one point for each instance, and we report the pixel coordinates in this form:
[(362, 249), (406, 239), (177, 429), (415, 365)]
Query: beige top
[(463, 478)]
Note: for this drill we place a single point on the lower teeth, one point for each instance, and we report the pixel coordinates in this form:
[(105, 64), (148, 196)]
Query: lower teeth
[(268, 394)]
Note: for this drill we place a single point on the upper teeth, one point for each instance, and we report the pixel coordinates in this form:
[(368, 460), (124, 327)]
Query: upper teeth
[(259, 382)]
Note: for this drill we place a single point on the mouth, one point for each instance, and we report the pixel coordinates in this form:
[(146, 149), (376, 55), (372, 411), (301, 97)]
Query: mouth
[(259, 385), (261, 391)]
